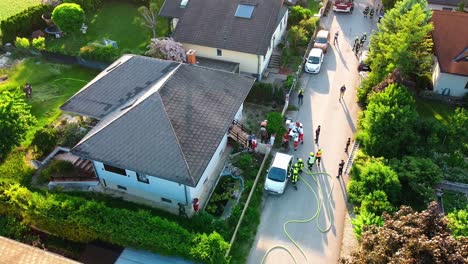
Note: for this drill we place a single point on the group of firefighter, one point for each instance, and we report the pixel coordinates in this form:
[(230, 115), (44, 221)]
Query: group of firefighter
[(359, 43), (299, 166)]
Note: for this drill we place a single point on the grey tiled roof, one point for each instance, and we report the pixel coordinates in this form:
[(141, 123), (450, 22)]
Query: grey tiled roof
[(218, 64), (169, 132), (213, 23), (171, 9), (118, 87)]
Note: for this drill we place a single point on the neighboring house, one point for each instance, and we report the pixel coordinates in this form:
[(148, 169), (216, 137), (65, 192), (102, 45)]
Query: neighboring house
[(446, 5), (450, 73), (239, 31), (163, 126)]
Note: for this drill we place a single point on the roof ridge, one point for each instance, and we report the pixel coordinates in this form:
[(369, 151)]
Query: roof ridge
[(266, 28)]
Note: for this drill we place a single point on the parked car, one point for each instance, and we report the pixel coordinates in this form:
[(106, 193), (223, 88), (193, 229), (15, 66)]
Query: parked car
[(322, 40), (345, 6), (277, 176), (314, 61), (362, 62)]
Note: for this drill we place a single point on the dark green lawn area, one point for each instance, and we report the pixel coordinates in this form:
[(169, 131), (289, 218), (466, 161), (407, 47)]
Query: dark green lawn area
[(52, 85), (115, 21), (434, 109)]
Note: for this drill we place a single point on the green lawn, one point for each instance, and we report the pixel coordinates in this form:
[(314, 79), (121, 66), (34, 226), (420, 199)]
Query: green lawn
[(12, 7), (116, 21), (52, 85), (434, 109)]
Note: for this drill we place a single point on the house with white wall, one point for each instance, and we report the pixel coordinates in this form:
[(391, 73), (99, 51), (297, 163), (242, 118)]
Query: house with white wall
[(446, 5), (450, 73), (245, 32), (162, 126)]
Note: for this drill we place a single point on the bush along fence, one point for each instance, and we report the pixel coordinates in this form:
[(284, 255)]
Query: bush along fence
[(24, 23), (82, 220)]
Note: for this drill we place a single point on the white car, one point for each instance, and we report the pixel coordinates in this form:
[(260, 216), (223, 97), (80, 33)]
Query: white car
[(314, 61), (277, 176)]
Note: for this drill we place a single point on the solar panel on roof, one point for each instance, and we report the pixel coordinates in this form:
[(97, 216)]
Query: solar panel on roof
[(244, 11)]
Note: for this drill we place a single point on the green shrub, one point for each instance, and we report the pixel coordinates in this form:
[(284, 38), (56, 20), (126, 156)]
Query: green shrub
[(12, 228), (209, 248), (266, 93), (84, 220), (377, 203), (44, 140), (275, 124), (309, 24), (72, 134), (289, 81), (58, 167), (23, 23), (98, 52), (363, 220), (22, 43), (68, 17), (458, 222), (39, 43), (15, 168), (297, 14)]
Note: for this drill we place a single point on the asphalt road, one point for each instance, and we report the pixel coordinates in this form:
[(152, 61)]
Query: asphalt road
[(338, 122)]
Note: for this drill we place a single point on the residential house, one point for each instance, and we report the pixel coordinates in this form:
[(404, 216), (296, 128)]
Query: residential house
[(446, 5), (239, 31), (162, 127), (450, 73)]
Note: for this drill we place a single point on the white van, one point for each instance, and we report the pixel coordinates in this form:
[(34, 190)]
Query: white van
[(277, 176)]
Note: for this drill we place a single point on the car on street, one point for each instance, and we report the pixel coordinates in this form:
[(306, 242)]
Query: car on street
[(314, 61), (277, 176), (363, 66), (322, 39)]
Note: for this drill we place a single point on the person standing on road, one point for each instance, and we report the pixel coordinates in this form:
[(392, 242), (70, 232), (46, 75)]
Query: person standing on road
[(335, 40), (347, 145), (317, 134), (356, 42), (296, 141), (340, 169), (318, 156), (342, 91), (363, 39), (301, 134), (300, 96)]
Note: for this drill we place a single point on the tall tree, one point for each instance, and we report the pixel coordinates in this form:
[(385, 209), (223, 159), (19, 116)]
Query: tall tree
[(15, 119), (418, 177), (167, 48), (411, 237), (403, 41), (150, 17), (387, 125)]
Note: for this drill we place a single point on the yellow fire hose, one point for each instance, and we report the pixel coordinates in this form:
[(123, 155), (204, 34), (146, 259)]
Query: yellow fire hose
[(320, 203)]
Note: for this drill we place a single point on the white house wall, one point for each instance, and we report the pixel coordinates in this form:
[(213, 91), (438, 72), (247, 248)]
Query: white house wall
[(203, 185), (155, 190), (456, 83), (239, 113), (275, 40), (247, 62)]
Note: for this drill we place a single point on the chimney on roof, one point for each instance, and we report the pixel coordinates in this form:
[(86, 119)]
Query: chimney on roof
[(191, 58)]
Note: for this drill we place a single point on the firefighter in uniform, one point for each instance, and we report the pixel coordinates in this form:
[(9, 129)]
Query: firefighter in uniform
[(311, 160), (300, 164)]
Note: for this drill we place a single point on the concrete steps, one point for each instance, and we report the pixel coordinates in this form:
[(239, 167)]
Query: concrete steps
[(275, 61)]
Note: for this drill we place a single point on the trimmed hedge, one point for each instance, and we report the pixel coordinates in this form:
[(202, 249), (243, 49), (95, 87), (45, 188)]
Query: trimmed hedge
[(98, 52), (83, 220), (24, 23)]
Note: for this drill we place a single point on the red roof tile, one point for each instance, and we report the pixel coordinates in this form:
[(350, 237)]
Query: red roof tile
[(450, 37)]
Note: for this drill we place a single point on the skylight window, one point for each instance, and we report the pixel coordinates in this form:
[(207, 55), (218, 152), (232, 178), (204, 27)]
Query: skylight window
[(244, 11), (183, 3)]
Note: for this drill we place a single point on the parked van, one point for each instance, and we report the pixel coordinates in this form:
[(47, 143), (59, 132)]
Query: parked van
[(277, 177)]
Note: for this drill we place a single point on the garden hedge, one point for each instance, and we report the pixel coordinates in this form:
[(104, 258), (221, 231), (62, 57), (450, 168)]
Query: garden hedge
[(24, 23), (82, 220)]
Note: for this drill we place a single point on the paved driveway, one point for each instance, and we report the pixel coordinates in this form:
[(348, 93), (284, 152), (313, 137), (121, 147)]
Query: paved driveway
[(338, 121)]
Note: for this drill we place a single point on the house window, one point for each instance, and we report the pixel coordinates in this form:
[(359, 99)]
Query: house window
[(142, 178), (166, 200), (121, 187), (447, 8), (219, 52), (466, 85), (244, 11), (115, 170)]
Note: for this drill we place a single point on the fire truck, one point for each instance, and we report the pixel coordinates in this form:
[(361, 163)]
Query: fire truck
[(345, 6)]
